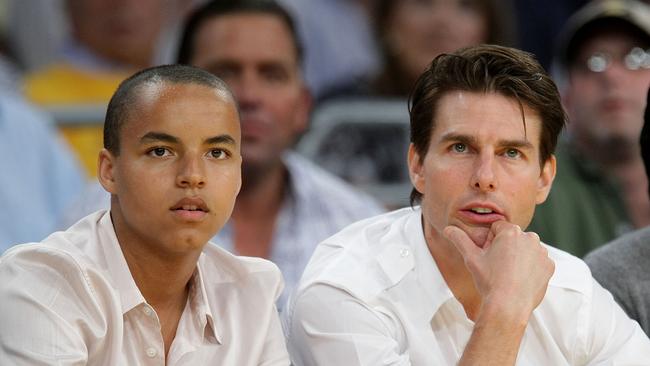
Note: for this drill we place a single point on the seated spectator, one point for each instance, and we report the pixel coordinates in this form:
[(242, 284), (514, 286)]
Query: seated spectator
[(600, 190), (40, 175), (139, 284), (457, 281), (622, 265), (287, 205), (109, 40)]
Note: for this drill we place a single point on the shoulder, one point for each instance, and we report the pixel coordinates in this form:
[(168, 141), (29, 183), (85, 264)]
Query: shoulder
[(571, 273), (363, 259), (315, 183), (629, 254), (248, 274)]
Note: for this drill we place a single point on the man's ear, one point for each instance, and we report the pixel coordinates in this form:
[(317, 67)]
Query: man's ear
[(416, 169), (106, 170), (545, 180)]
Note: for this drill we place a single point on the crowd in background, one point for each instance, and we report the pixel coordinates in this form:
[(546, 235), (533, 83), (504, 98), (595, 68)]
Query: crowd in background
[(62, 61)]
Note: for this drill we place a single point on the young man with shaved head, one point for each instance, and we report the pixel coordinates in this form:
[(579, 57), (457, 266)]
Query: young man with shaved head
[(139, 283)]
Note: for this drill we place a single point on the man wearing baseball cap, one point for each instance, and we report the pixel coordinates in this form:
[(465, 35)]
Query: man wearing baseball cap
[(600, 190)]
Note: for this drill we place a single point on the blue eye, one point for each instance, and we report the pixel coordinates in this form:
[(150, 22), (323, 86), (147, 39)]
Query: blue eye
[(513, 153), (459, 147)]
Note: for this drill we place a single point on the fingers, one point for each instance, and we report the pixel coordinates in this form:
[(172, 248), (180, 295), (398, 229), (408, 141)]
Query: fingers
[(461, 241)]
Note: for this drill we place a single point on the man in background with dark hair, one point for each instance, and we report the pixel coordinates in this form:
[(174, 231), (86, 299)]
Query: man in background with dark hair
[(457, 281), (138, 284), (287, 205), (622, 265)]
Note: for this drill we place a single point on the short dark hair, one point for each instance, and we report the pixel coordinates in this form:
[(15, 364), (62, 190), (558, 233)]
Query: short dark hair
[(216, 8), (125, 98), (486, 68)]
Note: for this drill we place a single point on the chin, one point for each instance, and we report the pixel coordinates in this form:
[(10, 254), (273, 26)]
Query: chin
[(478, 235)]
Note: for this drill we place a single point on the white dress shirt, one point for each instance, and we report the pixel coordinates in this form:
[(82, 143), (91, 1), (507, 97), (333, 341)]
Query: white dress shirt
[(373, 295), (71, 300)]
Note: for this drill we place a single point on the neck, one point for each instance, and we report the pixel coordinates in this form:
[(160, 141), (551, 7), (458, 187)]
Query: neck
[(256, 210)]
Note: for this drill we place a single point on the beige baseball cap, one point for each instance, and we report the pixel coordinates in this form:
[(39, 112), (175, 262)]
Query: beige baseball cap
[(631, 14)]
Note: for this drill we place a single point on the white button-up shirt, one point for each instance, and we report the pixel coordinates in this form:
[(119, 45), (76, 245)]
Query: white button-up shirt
[(71, 300), (373, 295)]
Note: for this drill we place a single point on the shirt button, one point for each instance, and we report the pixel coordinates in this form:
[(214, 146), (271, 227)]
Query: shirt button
[(147, 311), (404, 253), (151, 352)]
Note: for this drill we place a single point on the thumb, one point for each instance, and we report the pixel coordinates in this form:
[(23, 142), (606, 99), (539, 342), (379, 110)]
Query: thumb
[(462, 242)]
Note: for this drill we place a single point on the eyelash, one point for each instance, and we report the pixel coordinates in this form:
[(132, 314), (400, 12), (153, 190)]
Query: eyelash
[(465, 148), (167, 152)]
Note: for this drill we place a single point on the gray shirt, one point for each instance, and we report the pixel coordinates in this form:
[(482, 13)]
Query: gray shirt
[(621, 266)]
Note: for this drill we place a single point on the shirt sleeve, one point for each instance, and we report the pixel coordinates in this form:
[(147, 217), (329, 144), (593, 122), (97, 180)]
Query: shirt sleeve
[(328, 326), (614, 339), (40, 319)]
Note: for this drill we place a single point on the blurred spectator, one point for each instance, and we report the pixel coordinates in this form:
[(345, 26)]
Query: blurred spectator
[(601, 188), (286, 205), (622, 265), (40, 176), (339, 44), (108, 40), (412, 32)]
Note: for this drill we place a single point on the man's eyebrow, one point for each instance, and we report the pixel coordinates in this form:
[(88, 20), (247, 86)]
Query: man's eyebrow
[(221, 139), (472, 141), (521, 144), (159, 136), (457, 137)]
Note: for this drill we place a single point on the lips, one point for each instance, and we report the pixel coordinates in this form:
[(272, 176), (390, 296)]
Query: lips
[(190, 208), (481, 213)]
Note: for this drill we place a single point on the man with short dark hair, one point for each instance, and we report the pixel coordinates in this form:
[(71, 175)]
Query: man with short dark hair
[(458, 280), (138, 284), (287, 204)]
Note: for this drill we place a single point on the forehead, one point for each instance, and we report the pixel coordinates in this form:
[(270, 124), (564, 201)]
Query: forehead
[(246, 37), (488, 117), (180, 108)]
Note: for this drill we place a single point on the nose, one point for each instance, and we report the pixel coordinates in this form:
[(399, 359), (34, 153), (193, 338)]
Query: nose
[(484, 178), (247, 91), (191, 173)]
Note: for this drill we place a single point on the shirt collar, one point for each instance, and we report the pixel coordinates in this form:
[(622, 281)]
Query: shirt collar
[(118, 269), (433, 284), (199, 302)]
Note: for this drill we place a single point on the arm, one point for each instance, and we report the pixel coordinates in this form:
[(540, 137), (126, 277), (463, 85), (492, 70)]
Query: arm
[(328, 326), (511, 274)]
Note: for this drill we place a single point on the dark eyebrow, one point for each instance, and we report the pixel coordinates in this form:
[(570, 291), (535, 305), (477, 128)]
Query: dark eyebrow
[(472, 141), (159, 136), (456, 137), (150, 137), (221, 139)]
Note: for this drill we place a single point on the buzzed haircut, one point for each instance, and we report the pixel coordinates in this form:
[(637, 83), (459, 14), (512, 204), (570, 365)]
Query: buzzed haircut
[(126, 97), (217, 8), (486, 69)]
